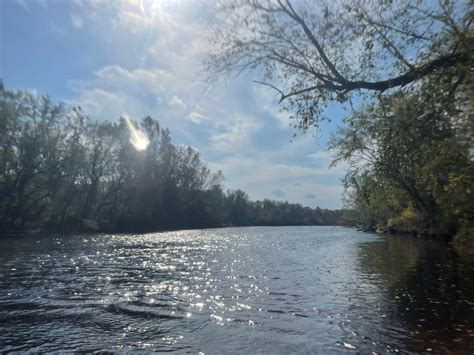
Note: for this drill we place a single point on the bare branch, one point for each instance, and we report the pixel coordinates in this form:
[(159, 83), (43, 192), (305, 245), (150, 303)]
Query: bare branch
[(272, 86), (294, 93), (294, 15), (330, 53)]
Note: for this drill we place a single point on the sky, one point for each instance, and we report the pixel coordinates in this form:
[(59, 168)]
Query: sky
[(145, 58)]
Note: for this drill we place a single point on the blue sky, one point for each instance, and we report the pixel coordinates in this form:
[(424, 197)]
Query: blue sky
[(144, 58)]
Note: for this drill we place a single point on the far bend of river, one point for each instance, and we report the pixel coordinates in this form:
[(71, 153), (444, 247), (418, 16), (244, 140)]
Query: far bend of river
[(275, 290)]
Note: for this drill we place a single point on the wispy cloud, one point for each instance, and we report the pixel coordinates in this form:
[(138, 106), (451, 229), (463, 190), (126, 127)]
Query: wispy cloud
[(77, 21), (23, 4), (177, 102), (259, 177), (114, 89), (236, 138), (237, 127), (196, 117)]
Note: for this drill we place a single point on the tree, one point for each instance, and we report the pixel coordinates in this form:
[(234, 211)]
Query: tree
[(31, 144), (411, 162), (313, 53), (61, 170)]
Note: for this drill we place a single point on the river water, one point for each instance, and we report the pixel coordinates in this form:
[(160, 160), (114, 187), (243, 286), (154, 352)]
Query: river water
[(235, 290)]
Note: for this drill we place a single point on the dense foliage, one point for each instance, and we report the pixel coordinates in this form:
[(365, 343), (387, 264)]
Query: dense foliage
[(61, 170), (411, 158)]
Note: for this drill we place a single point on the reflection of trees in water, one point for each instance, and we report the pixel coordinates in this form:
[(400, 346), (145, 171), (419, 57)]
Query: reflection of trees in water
[(388, 258), (429, 290)]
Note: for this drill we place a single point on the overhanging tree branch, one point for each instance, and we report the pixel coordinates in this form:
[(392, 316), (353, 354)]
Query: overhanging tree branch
[(381, 86), (316, 54)]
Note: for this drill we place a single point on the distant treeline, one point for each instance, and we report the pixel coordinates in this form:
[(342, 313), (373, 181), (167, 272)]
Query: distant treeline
[(60, 170)]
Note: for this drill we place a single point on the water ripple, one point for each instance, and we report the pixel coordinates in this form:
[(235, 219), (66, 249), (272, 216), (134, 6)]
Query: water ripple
[(273, 290)]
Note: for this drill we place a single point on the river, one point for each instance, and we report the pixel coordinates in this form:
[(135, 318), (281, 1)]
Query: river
[(274, 290)]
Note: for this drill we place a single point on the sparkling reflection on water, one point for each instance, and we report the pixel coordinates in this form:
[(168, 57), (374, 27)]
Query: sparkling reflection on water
[(257, 289)]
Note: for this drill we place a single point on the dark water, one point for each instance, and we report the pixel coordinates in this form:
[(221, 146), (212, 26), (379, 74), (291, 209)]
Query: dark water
[(239, 290)]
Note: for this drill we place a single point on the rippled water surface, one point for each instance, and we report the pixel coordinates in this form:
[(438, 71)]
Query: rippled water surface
[(258, 289)]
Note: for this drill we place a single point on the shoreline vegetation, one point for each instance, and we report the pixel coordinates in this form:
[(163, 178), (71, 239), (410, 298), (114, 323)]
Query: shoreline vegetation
[(411, 160), (403, 71), (61, 171)]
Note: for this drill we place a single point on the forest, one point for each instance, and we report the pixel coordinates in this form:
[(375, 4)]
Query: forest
[(62, 171)]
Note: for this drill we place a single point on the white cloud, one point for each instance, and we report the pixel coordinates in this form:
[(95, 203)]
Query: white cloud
[(324, 159), (177, 102), (320, 156), (270, 99), (264, 168), (196, 117), (163, 76), (236, 138), (261, 177), (137, 80), (170, 41), (114, 90), (103, 105)]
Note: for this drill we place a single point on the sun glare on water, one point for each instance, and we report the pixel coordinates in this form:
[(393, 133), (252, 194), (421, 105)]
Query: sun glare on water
[(138, 139)]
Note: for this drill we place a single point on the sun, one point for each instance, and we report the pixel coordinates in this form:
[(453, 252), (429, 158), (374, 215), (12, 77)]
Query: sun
[(138, 139)]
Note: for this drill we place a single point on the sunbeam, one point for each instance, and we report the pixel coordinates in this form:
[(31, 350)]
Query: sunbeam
[(138, 139)]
